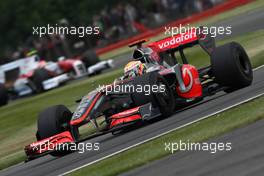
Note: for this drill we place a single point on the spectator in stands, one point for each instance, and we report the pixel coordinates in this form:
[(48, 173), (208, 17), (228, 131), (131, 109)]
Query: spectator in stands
[(127, 18)]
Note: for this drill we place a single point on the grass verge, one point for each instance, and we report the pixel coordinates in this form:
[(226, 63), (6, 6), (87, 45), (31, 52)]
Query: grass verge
[(200, 131), (18, 119)]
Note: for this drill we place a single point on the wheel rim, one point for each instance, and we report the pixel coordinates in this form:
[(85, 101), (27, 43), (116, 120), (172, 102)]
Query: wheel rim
[(243, 63), (63, 120)]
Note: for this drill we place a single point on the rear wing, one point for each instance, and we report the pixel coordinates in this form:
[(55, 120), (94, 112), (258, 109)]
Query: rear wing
[(183, 40)]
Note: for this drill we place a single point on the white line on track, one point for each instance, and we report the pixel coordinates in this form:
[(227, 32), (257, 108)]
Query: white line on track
[(258, 67), (162, 134)]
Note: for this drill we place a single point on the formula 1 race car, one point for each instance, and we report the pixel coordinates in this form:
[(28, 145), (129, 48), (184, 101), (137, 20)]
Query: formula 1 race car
[(31, 75), (173, 85)]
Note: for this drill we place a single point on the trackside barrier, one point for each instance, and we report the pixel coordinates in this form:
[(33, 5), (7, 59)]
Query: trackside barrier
[(230, 4)]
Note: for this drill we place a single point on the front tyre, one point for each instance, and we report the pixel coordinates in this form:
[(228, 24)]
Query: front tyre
[(52, 121), (164, 99)]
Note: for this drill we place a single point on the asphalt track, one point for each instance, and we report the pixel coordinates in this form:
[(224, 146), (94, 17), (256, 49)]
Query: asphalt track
[(245, 158), (109, 144)]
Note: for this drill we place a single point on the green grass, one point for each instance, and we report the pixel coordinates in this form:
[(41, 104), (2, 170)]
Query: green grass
[(258, 59), (18, 119), (198, 132), (205, 22)]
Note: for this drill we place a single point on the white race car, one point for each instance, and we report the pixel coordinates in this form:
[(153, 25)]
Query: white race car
[(32, 75)]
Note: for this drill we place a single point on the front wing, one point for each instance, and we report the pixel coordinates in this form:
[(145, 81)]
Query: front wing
[(117, 122), (48, 145)]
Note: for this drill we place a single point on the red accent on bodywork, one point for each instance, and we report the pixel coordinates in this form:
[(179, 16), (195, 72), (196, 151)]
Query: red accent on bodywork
[(174, 41), (125, 116), (66, 65), (30, 73), (27, 75), (48, 144), (42, 64), (120, 121), (190, 76), (79, 120), (125, 113)]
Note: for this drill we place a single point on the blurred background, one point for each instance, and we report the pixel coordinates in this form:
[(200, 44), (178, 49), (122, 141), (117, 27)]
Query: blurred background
[(117, 20)]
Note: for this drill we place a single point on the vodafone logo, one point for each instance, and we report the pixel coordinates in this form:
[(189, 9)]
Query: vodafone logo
[(177, 40), (188, 72)]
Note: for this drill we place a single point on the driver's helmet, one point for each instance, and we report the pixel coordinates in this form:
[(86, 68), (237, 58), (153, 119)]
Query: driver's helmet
[(146, 55), (134, 68)]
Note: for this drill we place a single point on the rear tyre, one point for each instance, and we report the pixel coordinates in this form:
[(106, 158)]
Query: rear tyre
[(163, 99), (90, 58), (52, 121), (39, 76), (3, 95), (231, 66)]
